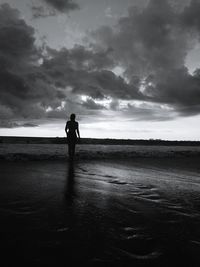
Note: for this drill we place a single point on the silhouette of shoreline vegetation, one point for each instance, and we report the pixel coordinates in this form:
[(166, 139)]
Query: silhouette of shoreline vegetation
[(95, 141)]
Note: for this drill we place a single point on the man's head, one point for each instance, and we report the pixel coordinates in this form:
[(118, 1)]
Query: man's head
[(72, 117)]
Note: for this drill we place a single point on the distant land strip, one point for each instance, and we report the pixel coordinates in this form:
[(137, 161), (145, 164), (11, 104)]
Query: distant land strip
[(93, 141)]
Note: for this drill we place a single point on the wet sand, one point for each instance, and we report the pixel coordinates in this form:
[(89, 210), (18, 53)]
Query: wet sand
[(137, 212), (14, 152)]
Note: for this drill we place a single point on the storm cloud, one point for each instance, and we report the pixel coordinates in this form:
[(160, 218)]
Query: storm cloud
[(190, 16), (36, 84), (53, 7), (25, 89), (148, 47), (62, 5), (18, 55), (151, 45)]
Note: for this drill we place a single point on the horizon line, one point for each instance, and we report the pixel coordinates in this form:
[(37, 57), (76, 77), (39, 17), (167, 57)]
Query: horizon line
[(96, 138)]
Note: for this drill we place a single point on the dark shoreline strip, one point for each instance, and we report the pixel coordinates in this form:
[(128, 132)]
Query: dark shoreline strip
[(100, 156)]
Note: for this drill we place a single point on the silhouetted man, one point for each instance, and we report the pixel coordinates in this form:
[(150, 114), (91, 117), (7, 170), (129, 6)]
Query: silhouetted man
[(72, 132)]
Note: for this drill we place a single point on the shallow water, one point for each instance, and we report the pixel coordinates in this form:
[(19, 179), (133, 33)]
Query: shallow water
[(138, 212)]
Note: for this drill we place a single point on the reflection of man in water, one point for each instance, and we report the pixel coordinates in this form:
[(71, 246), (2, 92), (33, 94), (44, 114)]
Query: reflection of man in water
[(70, 191), (72, 131)]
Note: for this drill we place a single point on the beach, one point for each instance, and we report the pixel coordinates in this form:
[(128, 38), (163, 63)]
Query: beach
[(24, 152), (138, 211)]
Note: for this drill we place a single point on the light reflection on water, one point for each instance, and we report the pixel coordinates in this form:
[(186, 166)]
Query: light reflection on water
[(134, 209)]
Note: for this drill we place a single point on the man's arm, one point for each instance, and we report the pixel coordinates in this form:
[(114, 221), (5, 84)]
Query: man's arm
[(66, 127), (78, 133)]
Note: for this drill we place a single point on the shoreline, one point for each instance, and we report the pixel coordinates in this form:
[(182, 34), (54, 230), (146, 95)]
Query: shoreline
[(24, 152), (96, 141)]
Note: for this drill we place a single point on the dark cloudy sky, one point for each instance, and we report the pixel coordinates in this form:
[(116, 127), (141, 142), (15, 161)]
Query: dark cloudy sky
[(127, 68)]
